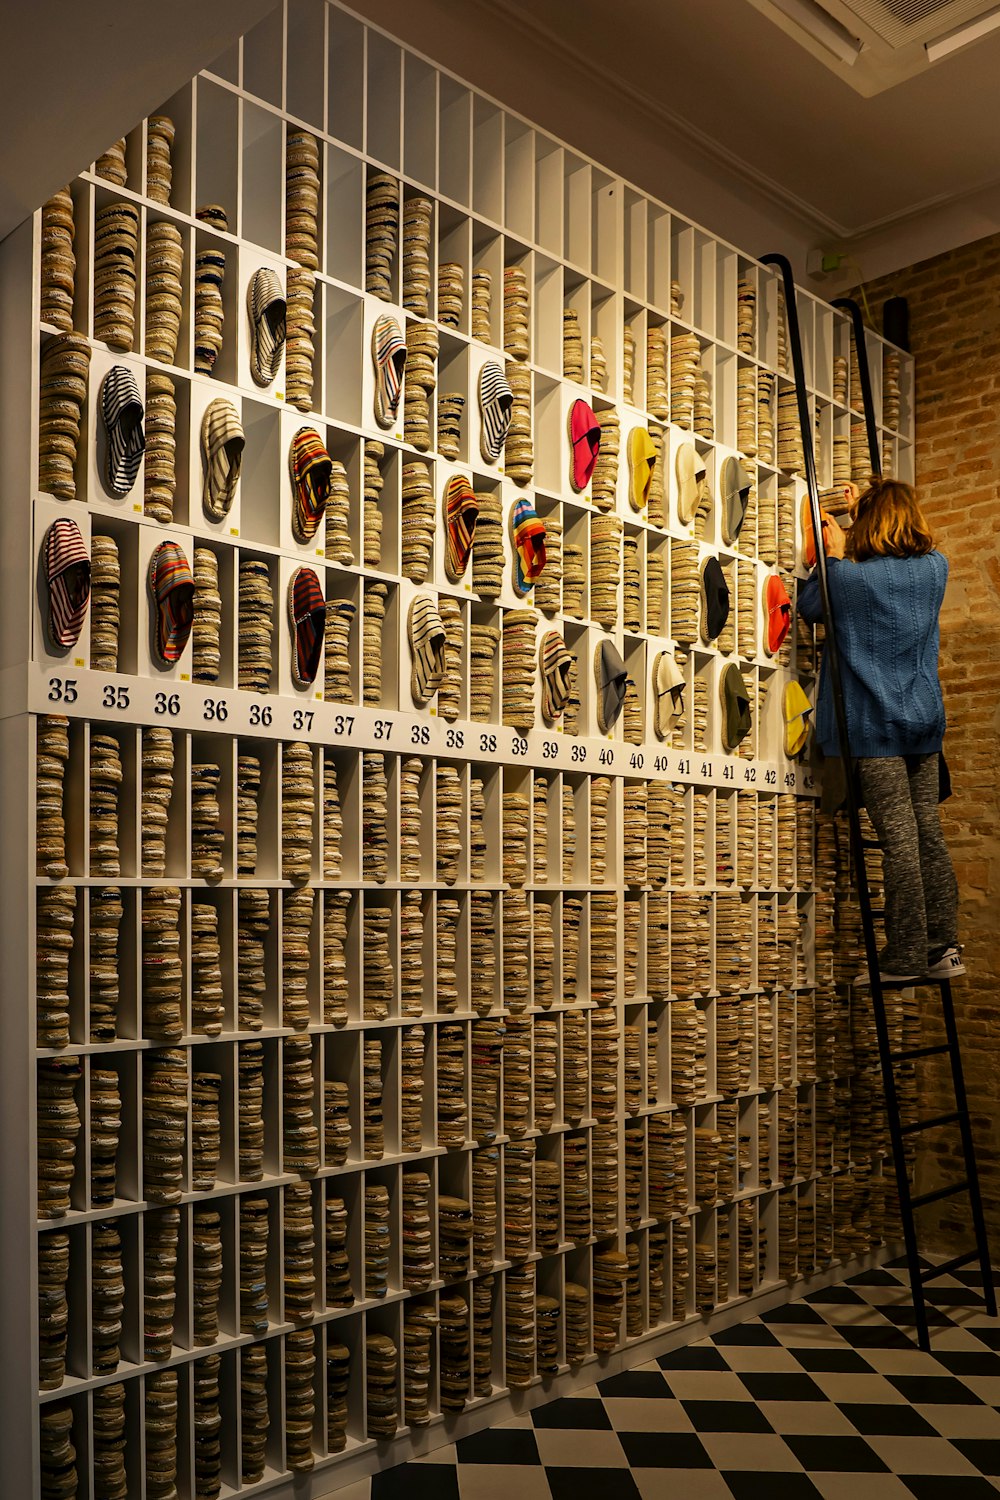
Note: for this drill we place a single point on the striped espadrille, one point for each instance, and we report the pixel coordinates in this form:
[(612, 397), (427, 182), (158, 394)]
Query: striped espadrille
[(222, 444), (67, 575), (171, 585), (121, 414), (307, 613), (555, 663), (461, 512), (527, 534), (496, 407), (266, 306), (428, 639), (310, 468), (389, 356)]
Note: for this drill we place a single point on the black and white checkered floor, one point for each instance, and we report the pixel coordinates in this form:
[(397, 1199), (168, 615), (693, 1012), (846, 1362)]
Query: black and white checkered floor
[(829, 1397)]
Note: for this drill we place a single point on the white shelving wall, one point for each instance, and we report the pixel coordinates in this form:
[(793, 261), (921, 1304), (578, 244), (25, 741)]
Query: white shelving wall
[(503, 194)]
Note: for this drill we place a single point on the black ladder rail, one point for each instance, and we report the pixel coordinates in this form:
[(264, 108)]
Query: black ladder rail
[(968, 1151), (960, 1115), (832, 659), (848, 305)]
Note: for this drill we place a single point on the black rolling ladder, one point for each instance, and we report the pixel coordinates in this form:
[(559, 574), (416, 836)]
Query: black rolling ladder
[(919, 1272)]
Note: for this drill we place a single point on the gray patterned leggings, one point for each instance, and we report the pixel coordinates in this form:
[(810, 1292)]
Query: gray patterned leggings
[(921, 894)]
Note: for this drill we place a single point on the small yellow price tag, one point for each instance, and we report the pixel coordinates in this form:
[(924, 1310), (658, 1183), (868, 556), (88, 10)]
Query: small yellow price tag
[(185, 677)]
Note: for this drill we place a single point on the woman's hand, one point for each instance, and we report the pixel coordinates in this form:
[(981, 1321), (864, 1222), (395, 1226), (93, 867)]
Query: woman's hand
[(833, 539)]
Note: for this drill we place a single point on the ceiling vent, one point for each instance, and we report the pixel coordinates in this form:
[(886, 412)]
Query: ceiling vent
[(874, 44), (900, 23)]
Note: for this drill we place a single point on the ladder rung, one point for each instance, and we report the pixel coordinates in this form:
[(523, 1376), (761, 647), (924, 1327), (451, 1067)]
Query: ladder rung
[(870, 844), (914, 1052), (930, 1124), (942, 1192), (947, 1266)]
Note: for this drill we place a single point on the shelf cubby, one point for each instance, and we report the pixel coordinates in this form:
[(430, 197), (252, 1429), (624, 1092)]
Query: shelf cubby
[(545, 965)]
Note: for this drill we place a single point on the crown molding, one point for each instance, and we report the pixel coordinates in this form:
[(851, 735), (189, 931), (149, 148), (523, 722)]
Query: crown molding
[(927, 206), (668, 121)]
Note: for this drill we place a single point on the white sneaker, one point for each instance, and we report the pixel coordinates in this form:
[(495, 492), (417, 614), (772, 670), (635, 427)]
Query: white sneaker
[(948, 966), (863, 979)]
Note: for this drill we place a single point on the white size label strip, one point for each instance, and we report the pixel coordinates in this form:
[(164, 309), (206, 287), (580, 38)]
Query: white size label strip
[(196, 707)]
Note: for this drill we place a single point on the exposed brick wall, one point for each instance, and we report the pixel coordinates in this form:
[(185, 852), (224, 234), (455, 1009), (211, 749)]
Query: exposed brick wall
[(954, 302)]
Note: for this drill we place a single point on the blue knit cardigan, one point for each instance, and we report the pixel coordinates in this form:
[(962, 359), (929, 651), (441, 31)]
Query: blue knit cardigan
[(885, 612)]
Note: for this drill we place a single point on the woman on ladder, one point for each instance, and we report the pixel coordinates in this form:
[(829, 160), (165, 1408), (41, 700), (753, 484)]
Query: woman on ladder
[(886, 584)]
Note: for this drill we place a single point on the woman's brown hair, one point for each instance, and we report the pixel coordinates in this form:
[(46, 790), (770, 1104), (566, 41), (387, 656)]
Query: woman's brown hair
[(888, 522)]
